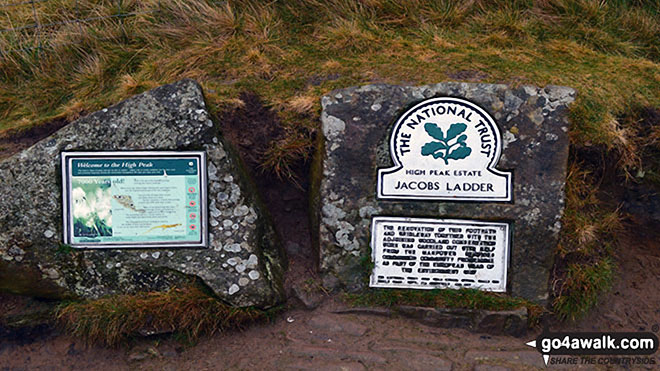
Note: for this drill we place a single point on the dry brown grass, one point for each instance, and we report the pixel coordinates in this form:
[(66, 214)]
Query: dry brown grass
[(187, 311), (584, 266), (303, 103)]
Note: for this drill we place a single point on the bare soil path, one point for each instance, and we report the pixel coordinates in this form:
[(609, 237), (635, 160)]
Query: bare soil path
[(297, 340)]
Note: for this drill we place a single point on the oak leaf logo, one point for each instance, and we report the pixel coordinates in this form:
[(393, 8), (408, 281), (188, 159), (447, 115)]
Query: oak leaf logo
[(450, 147)]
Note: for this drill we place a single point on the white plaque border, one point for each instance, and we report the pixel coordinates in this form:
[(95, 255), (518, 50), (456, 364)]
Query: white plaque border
[(502, 287)]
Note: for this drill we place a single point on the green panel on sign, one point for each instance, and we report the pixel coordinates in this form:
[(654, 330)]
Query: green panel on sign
[(134, 201)]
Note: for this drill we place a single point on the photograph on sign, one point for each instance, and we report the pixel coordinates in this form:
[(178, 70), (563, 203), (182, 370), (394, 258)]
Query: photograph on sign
[(134, 199), (420, 253), (445, 149)]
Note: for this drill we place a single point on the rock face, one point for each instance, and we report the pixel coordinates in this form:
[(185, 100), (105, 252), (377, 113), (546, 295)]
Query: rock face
[(242, 265), (357, 123)]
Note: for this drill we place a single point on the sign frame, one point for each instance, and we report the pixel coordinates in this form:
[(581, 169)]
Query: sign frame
[(67, 197), (488, 165), (507, 229)]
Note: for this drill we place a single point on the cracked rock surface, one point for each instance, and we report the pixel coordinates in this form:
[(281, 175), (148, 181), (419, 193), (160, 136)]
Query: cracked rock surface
[(357, 123), (242, 265)]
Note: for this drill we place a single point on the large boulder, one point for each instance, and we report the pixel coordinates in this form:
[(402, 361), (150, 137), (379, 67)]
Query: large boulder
[(357, 124), (243, 264)]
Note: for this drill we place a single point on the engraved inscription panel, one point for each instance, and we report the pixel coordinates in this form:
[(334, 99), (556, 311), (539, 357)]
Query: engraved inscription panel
[(424, 253)]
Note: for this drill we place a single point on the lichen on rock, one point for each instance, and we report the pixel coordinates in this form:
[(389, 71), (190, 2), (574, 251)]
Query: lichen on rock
[(356, 126), (170, 117)]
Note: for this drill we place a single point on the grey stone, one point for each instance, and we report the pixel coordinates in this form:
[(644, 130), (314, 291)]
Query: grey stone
[(486, 367), (423, 362), (518, 358), (507, 322), (337, 325), (310, 297), (138, 356), (533, 122), (337, 355), (170, 117)]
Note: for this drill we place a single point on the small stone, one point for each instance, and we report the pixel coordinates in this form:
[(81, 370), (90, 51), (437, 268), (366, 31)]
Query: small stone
[(222, 196), (228, 178), (14, 250), (138, 356), (252, 217), (52, 273), (240, 268), (227, 223), (254, 275), (144, 255), (232, 247), (233, 289), (232, 261), (212, 170), (155, 255), (241, 210), (367, 211), (48, 233), (375, 107), (252, 261), (243, 281), (213, 210)]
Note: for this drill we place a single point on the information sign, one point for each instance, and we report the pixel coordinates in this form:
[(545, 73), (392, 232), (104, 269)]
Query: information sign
[(134, 199), (417, 253)]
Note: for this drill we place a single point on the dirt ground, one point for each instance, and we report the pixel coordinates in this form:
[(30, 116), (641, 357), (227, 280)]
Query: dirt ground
[(633, 303), (323, 339)]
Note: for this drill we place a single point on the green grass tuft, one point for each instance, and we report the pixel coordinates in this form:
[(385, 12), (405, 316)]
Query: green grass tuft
[(583, 284), (584, 266)]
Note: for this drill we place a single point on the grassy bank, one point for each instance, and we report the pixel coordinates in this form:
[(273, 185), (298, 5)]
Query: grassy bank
[(292, 52), (188, 313)]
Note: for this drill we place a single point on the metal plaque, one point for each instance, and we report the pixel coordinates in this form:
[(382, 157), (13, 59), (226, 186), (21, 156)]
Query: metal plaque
[(417, 253), (134, 199), (445, 149)]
